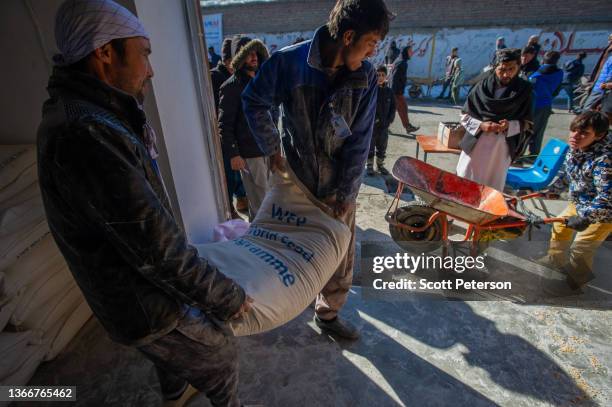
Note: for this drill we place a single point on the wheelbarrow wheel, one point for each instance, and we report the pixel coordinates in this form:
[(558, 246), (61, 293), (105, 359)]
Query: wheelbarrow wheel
[(416, 214)]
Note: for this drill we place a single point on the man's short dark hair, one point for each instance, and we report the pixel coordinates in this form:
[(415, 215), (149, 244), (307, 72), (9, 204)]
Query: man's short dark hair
[(118, 45), (508, 55), (591, 119), (382, 69), (582, 55), (551, 57), (528, 50), (454, 49), (361, 16)]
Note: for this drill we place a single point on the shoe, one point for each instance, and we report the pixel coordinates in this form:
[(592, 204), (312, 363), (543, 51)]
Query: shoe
[(342, 329), (189, 395), (173, 395), (370, 167), (560, 288), (242, 204), (548, 262), (382, 169), (411, 129)]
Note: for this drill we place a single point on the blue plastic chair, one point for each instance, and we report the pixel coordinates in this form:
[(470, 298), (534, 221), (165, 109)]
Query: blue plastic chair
[(542, 172)]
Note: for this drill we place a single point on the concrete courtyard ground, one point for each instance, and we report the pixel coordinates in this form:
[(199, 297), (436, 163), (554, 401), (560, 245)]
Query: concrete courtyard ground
[(414, 351)]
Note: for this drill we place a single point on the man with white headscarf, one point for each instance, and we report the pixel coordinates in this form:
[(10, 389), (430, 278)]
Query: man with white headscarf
[(109, 213)]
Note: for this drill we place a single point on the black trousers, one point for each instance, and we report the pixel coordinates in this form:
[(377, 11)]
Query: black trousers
[(198, 353), (540, 120), (378, 144)]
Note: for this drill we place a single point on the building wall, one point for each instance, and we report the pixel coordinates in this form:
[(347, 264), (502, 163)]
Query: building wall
[(434, 27), (476, 46), (299, 15)]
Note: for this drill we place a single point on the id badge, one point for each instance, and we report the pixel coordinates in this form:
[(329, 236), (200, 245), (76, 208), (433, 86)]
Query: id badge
[(341, 128)]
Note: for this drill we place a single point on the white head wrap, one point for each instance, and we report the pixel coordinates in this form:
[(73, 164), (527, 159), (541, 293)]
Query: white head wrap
[(81, 26)]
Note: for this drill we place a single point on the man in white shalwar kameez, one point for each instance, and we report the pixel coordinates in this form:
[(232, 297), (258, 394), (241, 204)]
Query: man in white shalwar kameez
[(497, 118)]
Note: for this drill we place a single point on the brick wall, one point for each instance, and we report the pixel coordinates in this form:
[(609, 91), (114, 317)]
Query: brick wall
[(301, 15)]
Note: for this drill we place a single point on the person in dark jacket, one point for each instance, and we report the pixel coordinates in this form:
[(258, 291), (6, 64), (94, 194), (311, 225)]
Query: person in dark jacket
[(213, 57), (500, 43), (398, 84), (546, 85), (235, 188), (110, 216), (327, 90), (236, 137), (222, 71), (573, 72), (534, 42), (385, 113), (529, 62), (392, 53)]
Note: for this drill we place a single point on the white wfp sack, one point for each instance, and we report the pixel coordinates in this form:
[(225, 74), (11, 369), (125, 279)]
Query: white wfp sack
[(20, 217), (21, 242), (25, 178), (7, 307), (32, 263), (12, 348), (45, 288), (289, 253), (15, 160), (54, 313), (31, 359), (69, 330), (31, 191)]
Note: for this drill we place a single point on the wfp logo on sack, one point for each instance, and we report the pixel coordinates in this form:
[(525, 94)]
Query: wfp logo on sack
[(287, 216), (283, 272)]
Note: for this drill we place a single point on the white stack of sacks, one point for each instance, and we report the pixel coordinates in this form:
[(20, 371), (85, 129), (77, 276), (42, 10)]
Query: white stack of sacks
[(41, 307)]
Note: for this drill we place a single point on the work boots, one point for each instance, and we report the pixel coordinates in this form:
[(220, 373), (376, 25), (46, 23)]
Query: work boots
[(411, 129), (370, 167), (380, 165)]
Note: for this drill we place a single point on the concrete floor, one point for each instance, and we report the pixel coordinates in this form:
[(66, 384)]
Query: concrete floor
[(414, 351)]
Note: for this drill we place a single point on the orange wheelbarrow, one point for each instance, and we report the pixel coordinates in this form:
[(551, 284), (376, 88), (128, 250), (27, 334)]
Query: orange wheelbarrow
[(422, 226)]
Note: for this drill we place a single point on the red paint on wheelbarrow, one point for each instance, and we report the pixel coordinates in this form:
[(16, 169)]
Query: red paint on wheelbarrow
[(459, 197)]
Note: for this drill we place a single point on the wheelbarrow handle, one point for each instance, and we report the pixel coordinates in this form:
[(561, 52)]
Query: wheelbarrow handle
[(555, 220), (531, 196)]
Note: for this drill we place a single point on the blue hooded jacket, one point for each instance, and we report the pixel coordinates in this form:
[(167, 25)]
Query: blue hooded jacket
[(546, 84), (328, 164)]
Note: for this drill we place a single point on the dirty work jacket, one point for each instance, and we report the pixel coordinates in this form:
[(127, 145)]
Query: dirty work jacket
[(111, 219), (294, 78)]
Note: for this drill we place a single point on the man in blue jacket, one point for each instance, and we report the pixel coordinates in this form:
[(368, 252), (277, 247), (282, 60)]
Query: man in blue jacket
[(546, 85), (573, 72), (328, 95)]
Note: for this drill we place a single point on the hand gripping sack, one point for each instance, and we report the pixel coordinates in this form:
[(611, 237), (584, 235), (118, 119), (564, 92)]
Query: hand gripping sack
[(289, 253)]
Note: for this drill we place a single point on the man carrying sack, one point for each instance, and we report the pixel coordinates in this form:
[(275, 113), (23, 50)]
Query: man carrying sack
[(328, 93), (110, 216)]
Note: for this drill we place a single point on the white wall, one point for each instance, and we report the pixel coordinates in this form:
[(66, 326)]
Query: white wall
[(183, 124), (475, 46)]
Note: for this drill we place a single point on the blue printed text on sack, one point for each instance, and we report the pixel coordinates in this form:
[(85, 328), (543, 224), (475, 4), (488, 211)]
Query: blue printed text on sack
[(283, 272), (287, 216)]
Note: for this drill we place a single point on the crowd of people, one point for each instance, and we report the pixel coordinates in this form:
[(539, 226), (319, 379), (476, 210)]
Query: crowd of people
[(507, 111), (109, 213)]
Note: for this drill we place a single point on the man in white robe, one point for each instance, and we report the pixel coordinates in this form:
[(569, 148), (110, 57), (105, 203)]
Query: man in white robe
[(497, 118)]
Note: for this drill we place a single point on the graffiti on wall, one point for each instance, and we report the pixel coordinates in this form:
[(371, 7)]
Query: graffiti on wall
[(476, 46)]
